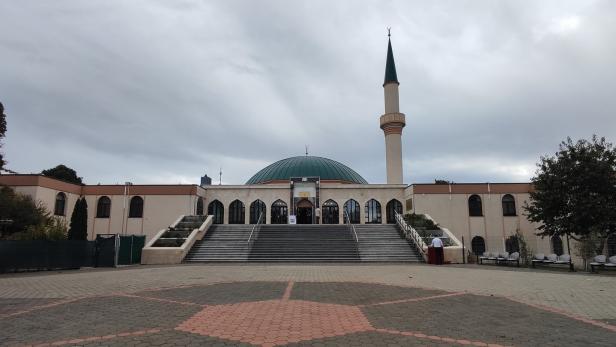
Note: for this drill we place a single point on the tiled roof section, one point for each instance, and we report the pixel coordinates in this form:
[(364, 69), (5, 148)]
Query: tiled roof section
[(307, 166)]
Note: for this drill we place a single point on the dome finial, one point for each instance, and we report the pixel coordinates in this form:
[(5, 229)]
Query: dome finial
[(306, 150), (389, 32)]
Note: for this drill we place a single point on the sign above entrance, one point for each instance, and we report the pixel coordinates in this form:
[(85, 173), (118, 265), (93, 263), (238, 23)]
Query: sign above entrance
[(304, 190)]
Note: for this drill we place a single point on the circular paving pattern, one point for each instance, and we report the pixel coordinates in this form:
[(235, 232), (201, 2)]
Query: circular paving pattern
[(289, 313)]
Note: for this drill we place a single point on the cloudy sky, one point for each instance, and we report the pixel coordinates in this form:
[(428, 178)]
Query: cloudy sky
[(165, 91)]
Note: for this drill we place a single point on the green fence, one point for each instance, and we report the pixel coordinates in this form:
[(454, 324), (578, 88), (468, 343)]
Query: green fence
[(130, 249)]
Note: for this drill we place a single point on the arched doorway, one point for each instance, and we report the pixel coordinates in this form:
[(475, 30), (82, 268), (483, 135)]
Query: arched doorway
[(257, 210), (392, 207), (217, 211), (557, 245), (279, 212), (351, 211), (478, 245), (305, 211), (330, 212), (237, 213), (373, 212)]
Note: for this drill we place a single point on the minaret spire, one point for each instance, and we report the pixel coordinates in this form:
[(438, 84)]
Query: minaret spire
[(392, 122), (390, 67)]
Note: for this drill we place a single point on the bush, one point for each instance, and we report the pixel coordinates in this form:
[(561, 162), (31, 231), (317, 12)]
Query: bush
[(22, 210), (53, 229), (420, 221)]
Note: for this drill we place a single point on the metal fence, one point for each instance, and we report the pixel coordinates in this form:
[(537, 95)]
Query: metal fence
[(108, 250), (45, 255)]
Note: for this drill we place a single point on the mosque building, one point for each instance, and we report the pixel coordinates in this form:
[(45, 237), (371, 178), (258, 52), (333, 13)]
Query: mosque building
[(305, 190)]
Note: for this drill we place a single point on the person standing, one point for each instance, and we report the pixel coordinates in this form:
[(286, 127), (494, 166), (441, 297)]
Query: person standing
[(437, 243)]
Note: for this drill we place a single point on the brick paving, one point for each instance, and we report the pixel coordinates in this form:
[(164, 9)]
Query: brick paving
[(307, 305)]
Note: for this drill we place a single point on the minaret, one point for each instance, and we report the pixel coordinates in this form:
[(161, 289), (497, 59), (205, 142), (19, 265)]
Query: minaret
[(392, 121)]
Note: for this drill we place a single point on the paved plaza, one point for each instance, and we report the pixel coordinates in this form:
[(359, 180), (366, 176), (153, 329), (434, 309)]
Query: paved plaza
[(307, 305)]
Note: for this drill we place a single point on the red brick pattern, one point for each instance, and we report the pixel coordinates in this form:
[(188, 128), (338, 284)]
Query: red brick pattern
[(283, 321), (276, 322)]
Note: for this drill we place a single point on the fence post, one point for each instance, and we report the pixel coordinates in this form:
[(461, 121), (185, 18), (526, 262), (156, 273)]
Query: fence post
[(463, 252)]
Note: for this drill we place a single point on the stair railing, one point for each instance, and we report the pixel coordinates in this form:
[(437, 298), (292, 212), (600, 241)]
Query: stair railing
[(256, 226), (351, 225), (410, 232)]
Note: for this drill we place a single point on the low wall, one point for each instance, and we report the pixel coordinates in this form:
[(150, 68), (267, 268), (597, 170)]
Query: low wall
[(173, 255)]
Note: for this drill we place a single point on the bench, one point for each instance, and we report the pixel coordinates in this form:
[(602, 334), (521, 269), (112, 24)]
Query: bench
[(500, 258), (552, 260), (487, 256), (600, 262), (507, 258)]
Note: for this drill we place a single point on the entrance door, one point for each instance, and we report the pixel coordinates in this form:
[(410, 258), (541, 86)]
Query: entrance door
[(304, 212)]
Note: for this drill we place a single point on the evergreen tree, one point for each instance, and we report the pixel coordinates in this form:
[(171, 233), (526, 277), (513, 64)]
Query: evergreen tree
[(79, 221), (575, 191), (2, 132)]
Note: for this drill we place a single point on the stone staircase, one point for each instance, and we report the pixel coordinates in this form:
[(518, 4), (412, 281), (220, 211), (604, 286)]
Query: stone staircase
[(382, 243), (303, 243), (222, 242)]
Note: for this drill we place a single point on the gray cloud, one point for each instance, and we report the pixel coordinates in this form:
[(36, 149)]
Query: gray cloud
[(161, 92)]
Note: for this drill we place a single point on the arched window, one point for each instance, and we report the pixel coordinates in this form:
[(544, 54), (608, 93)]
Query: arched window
[(512, 244), (373, 212), (508, 205), (478, 245), (330, 212), (557, 245), (135, 209), (237, 212), (217, 211), (199, 209), (103, 208), (351, 211), (60, 206), (279, 212), (257, 209), (611, 245), (392, 207), (474, 206)]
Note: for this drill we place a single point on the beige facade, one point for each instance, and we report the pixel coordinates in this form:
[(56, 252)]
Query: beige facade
[(162, 204), (449, 206)]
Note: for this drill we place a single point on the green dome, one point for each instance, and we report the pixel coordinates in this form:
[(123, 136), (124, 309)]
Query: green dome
[(306, 166)]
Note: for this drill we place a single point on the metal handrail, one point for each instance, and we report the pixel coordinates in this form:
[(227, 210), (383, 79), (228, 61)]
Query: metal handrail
[(255, 226), (409, 231), (351, 226)]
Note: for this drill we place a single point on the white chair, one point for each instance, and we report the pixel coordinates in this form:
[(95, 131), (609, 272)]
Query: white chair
[(611, 262), (483, 257), (551, 258), (563, 259), (514, 258), (599, 261), (537, 258)]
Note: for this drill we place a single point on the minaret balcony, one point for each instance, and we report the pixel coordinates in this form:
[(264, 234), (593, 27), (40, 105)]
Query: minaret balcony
[(393, 120)]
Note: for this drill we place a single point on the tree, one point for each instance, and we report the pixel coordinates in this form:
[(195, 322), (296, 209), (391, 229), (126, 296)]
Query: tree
[(79, 221), (2, 132), (575, 191), (64, 173), (21, 210)]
